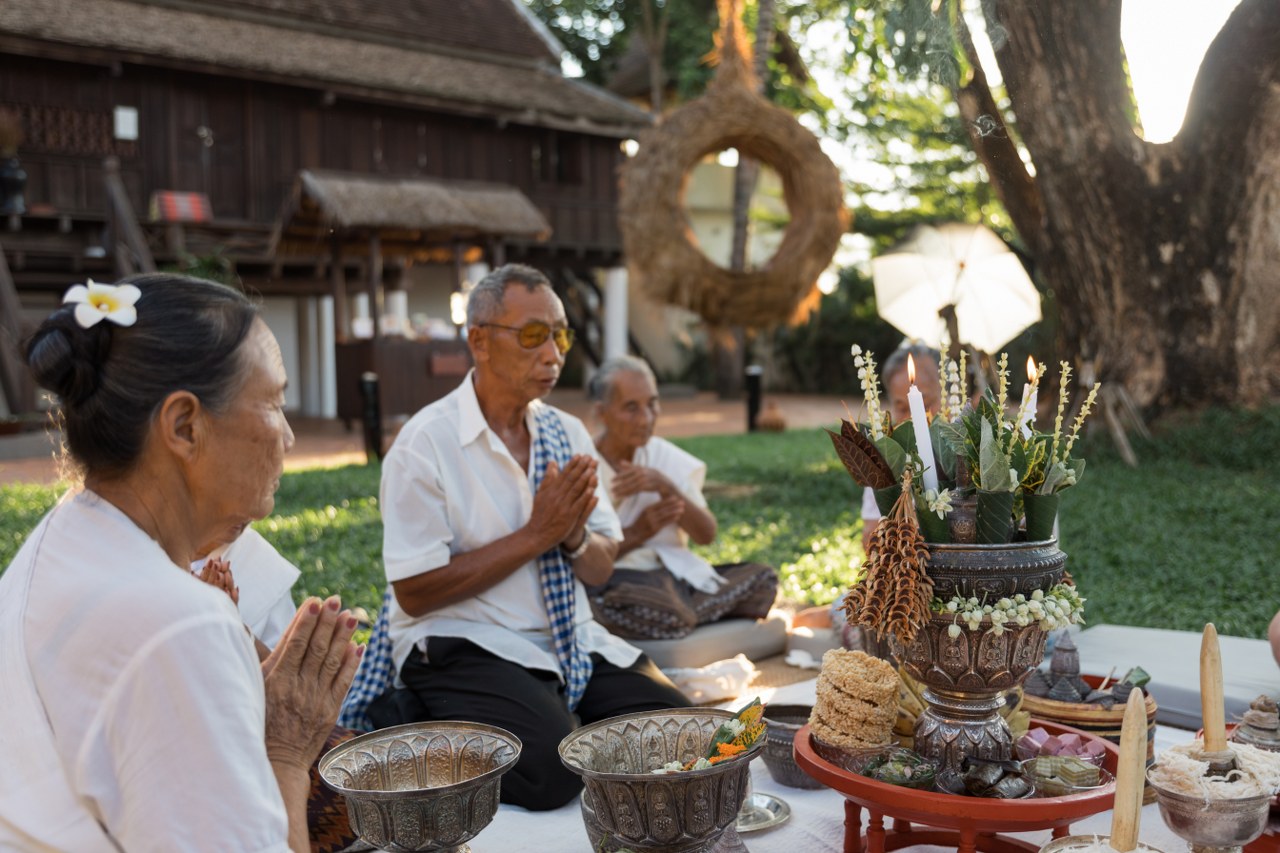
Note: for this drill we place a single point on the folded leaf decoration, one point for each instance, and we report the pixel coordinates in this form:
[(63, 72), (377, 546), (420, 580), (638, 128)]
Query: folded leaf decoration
[(861, 458)]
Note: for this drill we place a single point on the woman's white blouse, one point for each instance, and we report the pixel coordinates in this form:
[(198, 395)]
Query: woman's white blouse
[(151, 687)]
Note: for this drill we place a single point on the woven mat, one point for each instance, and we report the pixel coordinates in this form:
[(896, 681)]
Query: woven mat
[(776, 672)]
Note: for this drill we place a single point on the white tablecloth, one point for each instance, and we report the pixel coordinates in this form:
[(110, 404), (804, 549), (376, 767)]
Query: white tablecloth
[(817, 817)]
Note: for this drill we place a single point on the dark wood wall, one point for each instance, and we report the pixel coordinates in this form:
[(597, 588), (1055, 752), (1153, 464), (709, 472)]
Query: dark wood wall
[(242, 141)]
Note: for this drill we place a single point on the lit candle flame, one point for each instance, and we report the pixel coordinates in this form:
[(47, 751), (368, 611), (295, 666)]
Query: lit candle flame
[(1032, 373), (911, 370)]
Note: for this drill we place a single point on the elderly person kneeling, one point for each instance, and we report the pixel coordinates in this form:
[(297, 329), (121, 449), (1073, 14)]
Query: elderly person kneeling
[(135, 705), (659, 588)]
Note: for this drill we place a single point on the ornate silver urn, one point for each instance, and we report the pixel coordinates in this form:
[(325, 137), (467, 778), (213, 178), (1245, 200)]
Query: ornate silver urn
[(966, 676)]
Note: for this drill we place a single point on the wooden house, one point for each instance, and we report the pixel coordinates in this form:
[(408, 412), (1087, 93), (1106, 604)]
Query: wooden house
[(351, 161)]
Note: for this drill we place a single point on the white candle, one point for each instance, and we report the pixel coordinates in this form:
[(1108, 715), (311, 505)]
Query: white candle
[(920, 425), (1030, 390)]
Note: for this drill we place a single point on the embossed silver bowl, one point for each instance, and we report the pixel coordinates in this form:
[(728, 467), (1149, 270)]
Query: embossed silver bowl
[(421, 786), (626, 805)]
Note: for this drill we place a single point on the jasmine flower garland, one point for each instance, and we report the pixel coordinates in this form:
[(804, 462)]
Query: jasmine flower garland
[(1059, 607)]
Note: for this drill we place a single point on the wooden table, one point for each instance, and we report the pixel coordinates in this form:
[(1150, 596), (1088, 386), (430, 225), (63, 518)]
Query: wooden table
[(968, 824)]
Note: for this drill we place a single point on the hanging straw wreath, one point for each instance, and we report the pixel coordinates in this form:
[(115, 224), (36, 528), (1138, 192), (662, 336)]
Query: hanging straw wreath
[(662, 253)]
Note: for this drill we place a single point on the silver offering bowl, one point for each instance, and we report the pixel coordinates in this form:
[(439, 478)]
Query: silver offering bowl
[(783, 721), (1216, 826), (422, 786), (626, 805)]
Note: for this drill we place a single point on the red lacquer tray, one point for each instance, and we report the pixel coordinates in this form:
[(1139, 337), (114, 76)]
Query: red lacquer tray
[(965, 823)]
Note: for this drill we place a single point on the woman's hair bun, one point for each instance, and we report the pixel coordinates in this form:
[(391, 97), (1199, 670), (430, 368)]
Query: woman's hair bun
[(65, 358)]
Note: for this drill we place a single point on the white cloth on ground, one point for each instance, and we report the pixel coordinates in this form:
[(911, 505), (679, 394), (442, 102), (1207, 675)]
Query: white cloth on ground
[(266, 582), (669, 547), (450, 486), (715, 681), (148, 681)]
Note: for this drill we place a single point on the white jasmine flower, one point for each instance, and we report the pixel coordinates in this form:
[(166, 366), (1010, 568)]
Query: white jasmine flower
[(98, 302), (953, 631), (855, 350), (859, 361), (939, 502)]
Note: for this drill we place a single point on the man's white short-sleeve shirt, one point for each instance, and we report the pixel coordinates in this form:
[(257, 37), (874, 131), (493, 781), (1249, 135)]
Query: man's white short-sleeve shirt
[(450, 486)]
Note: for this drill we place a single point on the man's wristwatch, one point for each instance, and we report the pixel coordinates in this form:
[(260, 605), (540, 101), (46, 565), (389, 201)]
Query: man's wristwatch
[(580, 550)]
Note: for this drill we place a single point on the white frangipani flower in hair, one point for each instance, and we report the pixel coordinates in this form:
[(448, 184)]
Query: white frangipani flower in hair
[(98, 302)]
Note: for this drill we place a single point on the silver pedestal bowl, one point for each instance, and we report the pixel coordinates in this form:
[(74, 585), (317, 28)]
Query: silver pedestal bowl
[(626, 805), (422, 786), (1216, 826)]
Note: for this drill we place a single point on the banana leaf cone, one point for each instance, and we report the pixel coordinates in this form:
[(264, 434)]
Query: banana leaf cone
[(1041, 511), (934, 529), (995, 517), (886, 498)]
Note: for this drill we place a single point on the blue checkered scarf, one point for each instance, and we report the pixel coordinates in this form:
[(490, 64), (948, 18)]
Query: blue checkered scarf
[(559, 592), (375, 676), (376, 673)]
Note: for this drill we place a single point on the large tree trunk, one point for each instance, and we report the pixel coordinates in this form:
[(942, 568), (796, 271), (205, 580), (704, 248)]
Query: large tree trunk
[(1162, 256)]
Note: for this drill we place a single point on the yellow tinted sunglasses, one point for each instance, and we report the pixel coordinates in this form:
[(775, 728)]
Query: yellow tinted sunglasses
[(535, 334)]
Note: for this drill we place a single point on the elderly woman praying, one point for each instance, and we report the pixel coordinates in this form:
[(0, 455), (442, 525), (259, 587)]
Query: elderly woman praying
[(660, 589), (135, 706)]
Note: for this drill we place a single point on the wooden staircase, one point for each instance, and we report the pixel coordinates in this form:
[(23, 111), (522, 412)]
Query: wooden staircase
[(583, 307), (127, 252)]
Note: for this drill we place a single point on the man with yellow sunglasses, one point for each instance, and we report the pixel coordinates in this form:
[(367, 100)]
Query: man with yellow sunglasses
[(494, 518)]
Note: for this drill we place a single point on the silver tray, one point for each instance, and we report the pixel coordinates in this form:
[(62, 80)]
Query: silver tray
[(764, 811)]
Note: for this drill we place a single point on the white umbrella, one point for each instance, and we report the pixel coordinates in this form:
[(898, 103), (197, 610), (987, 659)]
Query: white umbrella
[(967, 266)]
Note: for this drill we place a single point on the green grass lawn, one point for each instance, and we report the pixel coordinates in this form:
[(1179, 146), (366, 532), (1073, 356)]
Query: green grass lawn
[(1184, 539)]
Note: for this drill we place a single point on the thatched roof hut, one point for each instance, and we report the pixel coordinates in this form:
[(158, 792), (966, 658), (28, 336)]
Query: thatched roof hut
[(411, 215)]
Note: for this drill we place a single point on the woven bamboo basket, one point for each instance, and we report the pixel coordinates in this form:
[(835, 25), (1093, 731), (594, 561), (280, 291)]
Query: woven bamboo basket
[(1094, 719)]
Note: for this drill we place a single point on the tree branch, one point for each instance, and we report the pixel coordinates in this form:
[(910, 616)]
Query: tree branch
[(1063, 65), (1240, 66), (989, 135)]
